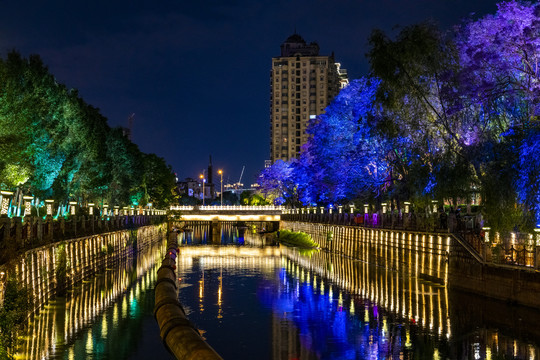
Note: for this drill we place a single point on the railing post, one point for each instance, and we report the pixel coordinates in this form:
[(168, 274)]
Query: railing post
[(6, 199), (537, 248), (49, 222)]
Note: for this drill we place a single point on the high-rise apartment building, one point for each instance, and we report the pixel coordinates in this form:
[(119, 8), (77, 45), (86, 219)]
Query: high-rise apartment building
[(302, 84)]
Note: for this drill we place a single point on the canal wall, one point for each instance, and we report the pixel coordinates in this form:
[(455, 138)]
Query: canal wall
[(421, 254), (437, 257), (107, 301), (52, 269)]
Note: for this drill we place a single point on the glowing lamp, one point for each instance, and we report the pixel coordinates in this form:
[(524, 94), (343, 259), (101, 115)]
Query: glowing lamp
[(6, 195), (486, 233), (116, 210), (384, 208), (537, 232), (28, 205), (125, 212), (105, 210), (322, 209), (434, 203), (131, 211), (91, 209), (366, 208), (49, 207), (340, 209), (407, 207), (352, 208), (72, 207)]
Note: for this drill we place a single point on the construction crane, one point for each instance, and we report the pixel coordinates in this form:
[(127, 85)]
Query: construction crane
[(241, 174)]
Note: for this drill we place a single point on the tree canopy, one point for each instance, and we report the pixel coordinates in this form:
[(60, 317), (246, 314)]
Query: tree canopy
[(53, 144)]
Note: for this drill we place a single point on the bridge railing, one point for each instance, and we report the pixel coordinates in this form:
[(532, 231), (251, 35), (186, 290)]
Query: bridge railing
[(228, 208), (508, 249)]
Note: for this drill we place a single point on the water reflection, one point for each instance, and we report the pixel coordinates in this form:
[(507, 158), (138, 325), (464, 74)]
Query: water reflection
[(224, 233), (325, 306), (102, 318)]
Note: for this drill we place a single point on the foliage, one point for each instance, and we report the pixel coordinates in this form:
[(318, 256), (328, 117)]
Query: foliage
[(296, 238), (247, 198), (55, 145), (343, 156), (276, 182), (13, 313)]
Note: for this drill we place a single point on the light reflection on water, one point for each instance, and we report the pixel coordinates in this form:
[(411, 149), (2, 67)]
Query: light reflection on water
[(253, 301), (108, 316), (275, 303)]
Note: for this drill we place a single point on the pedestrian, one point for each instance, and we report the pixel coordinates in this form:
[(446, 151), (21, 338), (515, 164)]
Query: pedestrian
[(443, 219)]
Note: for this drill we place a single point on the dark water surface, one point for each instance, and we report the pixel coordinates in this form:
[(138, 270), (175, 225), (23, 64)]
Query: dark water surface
[(255, 300)]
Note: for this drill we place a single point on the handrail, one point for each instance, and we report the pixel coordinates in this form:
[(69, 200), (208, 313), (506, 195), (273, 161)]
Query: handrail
[(228, 208)]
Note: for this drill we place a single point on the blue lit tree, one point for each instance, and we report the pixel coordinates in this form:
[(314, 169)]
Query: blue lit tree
[(344, 157), (277, 184)]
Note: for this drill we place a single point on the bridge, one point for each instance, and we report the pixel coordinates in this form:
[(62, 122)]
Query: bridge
[(228, 213)]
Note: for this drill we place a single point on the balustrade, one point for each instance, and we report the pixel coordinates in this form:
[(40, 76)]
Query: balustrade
[(31, 231)]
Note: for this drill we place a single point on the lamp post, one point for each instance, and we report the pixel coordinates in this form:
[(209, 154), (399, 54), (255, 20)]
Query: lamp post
[(220, 172), (202, 178)]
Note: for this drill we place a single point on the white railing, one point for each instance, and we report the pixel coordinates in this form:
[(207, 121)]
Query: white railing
[(228, 208)]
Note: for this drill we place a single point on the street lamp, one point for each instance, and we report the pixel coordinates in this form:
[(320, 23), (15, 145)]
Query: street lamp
[(202, 178), (220, 172)]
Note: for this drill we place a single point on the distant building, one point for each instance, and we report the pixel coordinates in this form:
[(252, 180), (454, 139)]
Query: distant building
[(194, 187), (302, 84)]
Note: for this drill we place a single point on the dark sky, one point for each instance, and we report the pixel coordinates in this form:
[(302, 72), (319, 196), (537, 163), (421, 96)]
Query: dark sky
[(196, 73)]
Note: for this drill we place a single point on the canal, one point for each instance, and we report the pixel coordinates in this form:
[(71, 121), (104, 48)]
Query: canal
[(252, 299), (256, 301)]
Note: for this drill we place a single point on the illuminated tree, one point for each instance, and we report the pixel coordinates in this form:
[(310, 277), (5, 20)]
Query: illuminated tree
[(500, 54), (343, 157), (53, 144), (276, 181), (159, 181)]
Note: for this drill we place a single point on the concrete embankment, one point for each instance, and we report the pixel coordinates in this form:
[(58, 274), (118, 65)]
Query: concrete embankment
[(180, 337)]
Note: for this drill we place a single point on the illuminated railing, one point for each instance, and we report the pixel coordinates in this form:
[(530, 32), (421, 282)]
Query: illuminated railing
[(228, 208), (114, 291)]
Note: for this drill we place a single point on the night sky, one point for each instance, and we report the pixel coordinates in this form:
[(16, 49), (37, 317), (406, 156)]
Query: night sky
[(196, 73)]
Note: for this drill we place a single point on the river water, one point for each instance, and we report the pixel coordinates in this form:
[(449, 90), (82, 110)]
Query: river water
[(254, 300)]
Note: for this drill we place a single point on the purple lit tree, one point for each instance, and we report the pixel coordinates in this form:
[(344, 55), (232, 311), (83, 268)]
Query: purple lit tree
[(500, 55), (432, 134)]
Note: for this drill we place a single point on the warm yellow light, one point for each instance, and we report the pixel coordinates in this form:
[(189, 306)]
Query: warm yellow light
[(201, 176), (220, 172)]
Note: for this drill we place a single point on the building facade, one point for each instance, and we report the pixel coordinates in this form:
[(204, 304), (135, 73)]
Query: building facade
[(302, 84)]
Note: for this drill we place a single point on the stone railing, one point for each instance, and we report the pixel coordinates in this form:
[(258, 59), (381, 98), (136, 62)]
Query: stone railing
[(512, 248), (23, 233)]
